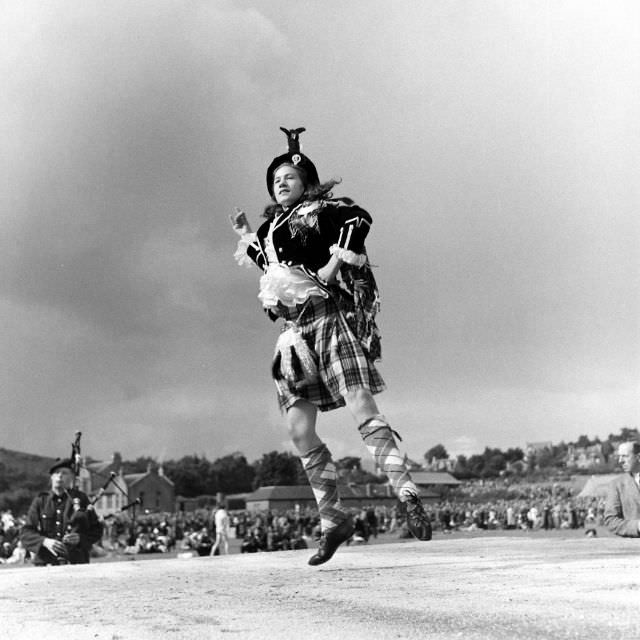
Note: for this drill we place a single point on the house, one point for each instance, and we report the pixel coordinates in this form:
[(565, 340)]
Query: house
[(288, 497), (441, 464), (154, 491), (434, 483), (113, 491), (533, 448), (280, 498), (194, 503), (584, 457)]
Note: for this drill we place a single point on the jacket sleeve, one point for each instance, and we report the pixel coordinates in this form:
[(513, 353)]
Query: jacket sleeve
[(30, 536), (353, 226), (249, 251), (614, 514)]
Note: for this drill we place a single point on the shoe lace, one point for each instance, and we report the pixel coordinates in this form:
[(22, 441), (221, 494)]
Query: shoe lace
[(412, 497), (322, 544), (417, 512)]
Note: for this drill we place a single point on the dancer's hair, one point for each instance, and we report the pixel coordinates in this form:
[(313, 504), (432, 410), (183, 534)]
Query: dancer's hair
[(314, 192)]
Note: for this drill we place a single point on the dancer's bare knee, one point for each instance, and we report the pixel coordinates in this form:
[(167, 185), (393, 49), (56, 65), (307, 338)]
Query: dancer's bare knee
[(361, 404)]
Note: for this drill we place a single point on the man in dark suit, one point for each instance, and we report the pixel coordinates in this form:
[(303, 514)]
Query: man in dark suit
[(622, 506), (61, 527)]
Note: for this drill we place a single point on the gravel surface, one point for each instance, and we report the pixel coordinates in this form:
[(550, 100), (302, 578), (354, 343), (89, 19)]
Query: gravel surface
[(474, 588)]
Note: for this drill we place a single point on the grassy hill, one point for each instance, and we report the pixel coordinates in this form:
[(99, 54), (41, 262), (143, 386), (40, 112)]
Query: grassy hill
[(27, 464), (22, 476)]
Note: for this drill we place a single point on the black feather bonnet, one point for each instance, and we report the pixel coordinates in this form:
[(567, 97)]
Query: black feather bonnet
[(293, 158)]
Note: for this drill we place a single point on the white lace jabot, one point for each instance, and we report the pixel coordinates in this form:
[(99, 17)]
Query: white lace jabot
[(286, 285)]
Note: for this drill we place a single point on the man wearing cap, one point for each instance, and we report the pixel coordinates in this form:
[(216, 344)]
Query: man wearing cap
[(318, 280), (60, 528), (622, 504)]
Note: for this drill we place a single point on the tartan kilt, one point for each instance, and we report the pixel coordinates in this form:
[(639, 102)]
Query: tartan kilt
[(343, 365)]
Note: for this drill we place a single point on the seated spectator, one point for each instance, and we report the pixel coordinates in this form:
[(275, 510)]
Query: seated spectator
[(590, 524), (18, 555), (202, 542), (361, 531), (252, 542)]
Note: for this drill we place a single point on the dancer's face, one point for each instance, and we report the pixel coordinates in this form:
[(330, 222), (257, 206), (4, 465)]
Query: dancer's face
[(288, 186)]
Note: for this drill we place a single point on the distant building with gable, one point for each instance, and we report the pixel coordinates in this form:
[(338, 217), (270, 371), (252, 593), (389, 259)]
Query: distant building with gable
[(113, 490), (430, 483), (288, 497), (584, 457), (441, 464), (534, 448)]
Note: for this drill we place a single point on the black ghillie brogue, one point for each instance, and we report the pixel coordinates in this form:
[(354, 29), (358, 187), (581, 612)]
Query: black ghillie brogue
[(418, 521), (331, 540)]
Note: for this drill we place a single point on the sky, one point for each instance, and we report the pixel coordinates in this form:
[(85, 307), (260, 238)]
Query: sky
[(496, 145)]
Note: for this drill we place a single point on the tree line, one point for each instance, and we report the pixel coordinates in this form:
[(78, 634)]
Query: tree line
[(493, 462), (192, 475), (195, 475)]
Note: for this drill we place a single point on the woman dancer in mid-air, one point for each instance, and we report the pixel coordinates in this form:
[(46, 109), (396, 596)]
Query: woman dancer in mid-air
[(317, 278)]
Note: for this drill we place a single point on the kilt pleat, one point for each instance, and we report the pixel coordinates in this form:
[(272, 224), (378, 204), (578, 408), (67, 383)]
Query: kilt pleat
[(343, 364)]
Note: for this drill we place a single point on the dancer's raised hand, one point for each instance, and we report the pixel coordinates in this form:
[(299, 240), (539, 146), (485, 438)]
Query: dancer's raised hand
[(239, 222)]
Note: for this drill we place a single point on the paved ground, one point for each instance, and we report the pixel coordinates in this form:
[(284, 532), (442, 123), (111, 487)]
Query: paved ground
[(471, 588)]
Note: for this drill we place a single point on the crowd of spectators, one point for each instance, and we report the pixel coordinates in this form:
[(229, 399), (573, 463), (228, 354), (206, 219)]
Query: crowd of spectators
[(11, 549), (472, 507), (194, 533), (535, 508), (525, 506)]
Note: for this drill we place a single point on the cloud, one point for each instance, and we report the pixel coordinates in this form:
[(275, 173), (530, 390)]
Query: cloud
[(464, 446), (494, 149), (117, 117)]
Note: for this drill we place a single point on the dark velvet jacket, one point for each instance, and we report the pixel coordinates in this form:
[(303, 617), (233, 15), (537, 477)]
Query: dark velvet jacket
[(304, 234), (43, 521)]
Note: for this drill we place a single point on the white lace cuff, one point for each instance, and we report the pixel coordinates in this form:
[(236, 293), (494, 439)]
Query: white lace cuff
[(348, 256), (240, 255)]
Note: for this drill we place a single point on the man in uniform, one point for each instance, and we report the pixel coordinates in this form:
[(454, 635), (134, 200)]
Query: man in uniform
[(622, 505), (61, 527)]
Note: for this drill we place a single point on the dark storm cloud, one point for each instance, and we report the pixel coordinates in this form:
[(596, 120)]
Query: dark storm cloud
[(494, 145)]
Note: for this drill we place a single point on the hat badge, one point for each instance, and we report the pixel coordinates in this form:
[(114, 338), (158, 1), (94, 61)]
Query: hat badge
[(296, 158)]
